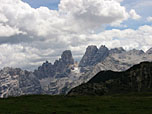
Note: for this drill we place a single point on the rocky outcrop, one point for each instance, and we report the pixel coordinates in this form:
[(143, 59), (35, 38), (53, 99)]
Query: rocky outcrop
[(101, 54), (137, 52), (67, 58), (86, 60), (136, 79), (93, 55), (15, 82), (149, 51), (60, 68), (64, 62), (46, 70), (117, 50)]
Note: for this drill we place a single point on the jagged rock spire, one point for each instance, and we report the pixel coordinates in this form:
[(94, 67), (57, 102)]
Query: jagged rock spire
[(88, 56), (67, 58), (93, 55), (60, 66), (101, 54)]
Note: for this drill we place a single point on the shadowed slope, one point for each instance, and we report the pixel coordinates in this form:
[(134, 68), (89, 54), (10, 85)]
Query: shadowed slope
[(136, 79)]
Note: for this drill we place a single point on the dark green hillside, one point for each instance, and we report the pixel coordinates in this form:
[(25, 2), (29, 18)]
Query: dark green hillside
[(136, 79), (118, 104)]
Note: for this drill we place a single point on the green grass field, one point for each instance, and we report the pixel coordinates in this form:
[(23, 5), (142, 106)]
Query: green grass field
[(44, 104)]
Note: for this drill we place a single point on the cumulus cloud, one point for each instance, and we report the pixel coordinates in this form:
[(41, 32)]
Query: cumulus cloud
[(92, 14), (73, 16), (128, 38), (30, 36), (22, 56), (149, 19), (6, 31), (3, 18), (134, 15)]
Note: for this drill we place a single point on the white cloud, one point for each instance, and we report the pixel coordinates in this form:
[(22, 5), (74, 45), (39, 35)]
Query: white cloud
[(73, 16), (92, 14), (37, 22), (3, 18), (149, 19), (119, 0), (6, 31), (128, 38), (143, 7), (134, 15), (22, 56)]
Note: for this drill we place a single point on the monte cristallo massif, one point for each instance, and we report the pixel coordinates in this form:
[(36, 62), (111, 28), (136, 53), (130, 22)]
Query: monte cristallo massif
[(65, 74)]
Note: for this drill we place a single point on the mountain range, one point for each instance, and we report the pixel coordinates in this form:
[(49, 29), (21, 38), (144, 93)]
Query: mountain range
[(65, 74)]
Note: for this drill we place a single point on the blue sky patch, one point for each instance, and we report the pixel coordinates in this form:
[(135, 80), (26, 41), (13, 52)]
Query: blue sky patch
[(51, 4)]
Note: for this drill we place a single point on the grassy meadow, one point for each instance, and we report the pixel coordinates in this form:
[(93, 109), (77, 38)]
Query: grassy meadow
[(45, 104)]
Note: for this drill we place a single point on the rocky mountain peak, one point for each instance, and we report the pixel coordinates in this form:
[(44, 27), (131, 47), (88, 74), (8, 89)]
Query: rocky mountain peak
[(101, 54), (60, 66), (11, 71), (93, 55), (91, 50), (117, 50), (67, 58), (149, 51), (88, 56), (45, 64), (136, 52), (102, 49)]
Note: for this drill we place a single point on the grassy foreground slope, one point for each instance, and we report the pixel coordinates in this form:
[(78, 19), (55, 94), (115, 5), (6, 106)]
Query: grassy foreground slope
[(44, 104)]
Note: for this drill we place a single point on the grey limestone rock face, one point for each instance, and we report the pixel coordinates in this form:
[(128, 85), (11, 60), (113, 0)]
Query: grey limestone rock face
[(101, 54), (67, 58), (117, 50), (64, 62), (58, 69), (93, 55), (149, 51), (137, 52), (86, 60), (46, 70), (15, 82)]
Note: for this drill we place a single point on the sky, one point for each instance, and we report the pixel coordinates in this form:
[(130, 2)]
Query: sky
[(33, 31)]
